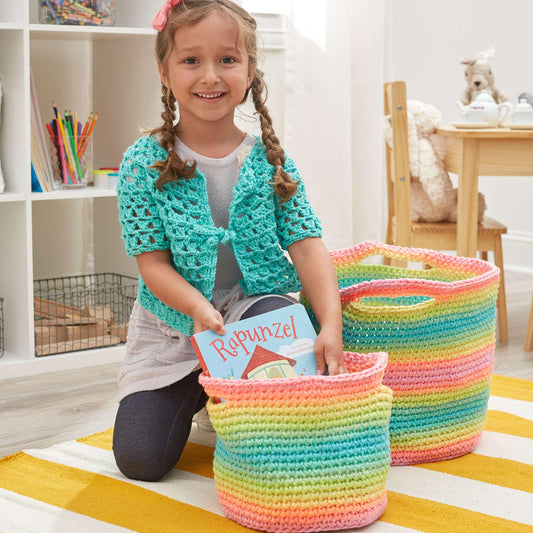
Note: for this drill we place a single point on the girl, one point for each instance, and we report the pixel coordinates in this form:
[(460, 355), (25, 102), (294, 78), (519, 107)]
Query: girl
[(207, 211)]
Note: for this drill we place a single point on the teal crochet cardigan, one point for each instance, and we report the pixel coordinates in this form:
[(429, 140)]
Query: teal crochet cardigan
[(178, 218)]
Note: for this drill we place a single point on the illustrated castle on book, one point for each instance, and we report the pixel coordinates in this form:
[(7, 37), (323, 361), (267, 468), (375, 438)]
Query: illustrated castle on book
[(266, 364)]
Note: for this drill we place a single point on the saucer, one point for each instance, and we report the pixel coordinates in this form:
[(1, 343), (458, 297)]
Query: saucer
[(517, 126), (471, 125)]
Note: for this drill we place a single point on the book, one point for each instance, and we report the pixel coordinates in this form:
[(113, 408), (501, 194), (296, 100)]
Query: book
[(276, 344), (40, 157)]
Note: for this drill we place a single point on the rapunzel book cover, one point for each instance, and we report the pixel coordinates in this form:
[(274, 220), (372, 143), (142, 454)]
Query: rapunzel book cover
[(272, 345)]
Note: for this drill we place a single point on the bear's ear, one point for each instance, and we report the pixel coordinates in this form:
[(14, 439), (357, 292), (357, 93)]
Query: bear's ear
[(466, 61)]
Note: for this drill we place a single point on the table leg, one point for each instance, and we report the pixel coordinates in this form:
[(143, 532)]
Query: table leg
[(467, 203)]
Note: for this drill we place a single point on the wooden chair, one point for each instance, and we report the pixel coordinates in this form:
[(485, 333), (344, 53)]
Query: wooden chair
[(434, 235), (528, 346)]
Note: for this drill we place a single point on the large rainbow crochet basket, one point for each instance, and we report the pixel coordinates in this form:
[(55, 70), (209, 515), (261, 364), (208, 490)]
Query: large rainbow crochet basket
[(438, 327), (303, 454)]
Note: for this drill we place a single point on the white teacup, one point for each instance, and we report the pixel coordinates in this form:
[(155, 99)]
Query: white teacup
[(522, 113)]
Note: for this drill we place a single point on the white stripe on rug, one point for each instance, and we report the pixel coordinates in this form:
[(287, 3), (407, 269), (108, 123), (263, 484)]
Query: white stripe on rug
[(201, 492), (20, 514), (504, 446), (478, 496), (182, 486), (179, 485), (376, 527), (511, 406)]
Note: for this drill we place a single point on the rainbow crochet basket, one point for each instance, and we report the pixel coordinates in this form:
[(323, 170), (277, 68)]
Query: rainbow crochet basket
[(438, 327), (303, 454)]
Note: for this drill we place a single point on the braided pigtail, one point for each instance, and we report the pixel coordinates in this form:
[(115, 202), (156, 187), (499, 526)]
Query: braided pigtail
[(284, 186), (173, 168)]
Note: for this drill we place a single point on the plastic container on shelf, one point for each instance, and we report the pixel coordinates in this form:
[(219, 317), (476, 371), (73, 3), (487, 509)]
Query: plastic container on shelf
[(77, 13)]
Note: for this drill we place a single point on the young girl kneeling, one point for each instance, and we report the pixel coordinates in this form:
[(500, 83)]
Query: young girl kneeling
[(207, 210)]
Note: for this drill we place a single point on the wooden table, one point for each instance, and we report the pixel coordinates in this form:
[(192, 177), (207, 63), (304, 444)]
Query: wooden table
[(471, 153)]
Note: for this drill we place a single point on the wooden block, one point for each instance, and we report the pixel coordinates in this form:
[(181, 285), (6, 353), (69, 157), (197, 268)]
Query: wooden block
[(49, 309), (120, 330), (86, 331), (50, 334), (81, 344), (100, 312), (66, 321)]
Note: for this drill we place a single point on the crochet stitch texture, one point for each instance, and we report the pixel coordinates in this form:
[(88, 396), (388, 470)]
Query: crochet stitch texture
[(438, 327), (303, 454), (178, 218)]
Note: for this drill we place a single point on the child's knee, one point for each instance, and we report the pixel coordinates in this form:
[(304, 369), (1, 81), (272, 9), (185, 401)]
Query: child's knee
[(143, 465)]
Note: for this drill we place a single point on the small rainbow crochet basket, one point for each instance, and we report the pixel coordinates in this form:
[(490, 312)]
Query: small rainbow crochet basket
[(438, 327), (303, 454)]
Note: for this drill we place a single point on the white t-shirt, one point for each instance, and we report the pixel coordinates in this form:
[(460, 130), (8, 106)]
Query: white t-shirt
[(221, 177)]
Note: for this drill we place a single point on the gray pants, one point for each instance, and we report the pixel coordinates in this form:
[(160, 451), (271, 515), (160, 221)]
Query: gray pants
[(152, 427)]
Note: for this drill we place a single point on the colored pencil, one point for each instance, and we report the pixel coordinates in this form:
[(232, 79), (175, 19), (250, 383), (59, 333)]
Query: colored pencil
[(62, 153), (52, 134), (66, 145), (75, 130), (85, 128), (86, 139), (73, 148)]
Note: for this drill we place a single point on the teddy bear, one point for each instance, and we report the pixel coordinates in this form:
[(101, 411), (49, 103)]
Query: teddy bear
[(479, 76), (433, 197)]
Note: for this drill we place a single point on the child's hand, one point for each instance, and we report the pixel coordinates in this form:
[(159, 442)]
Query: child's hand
[(329, 353), (206, 317)]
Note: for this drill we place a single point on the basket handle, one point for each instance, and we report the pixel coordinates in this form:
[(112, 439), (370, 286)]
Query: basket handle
[(484, 272), (392, 288), (431, 257)]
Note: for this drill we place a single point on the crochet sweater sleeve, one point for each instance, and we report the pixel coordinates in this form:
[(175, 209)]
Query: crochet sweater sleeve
[(142, 227), (296, 217)]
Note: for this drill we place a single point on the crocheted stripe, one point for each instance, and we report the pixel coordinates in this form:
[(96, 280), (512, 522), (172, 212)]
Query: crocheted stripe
[(325, 519), (304, 502), (444, 383), (438, 435), (455, 365), (303, 454), (365, 374), (438, 327), (304, 489), (448, 450)]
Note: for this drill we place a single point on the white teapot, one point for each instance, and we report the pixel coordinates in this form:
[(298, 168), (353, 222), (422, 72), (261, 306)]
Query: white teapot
[(522, 113), (485, 109)]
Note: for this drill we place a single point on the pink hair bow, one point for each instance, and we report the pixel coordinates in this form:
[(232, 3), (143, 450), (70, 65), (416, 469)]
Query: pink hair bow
[(160, 20)]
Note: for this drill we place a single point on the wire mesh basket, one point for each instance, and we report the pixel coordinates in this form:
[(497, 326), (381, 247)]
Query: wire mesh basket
[(1, 327), (82, 312)]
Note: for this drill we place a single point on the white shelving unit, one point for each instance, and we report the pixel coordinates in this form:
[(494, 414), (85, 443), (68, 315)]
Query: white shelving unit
[(110, 70), (105, 69)]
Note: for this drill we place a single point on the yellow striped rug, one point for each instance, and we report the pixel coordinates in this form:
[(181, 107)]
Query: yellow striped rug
[(75, 487)]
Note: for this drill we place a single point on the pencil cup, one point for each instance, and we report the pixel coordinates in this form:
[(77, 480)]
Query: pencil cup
[(71, 161)]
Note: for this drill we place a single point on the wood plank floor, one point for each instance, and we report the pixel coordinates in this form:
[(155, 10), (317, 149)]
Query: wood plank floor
[(40, 411)]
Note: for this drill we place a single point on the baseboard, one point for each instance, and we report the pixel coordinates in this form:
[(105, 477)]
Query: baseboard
[(518, 251)]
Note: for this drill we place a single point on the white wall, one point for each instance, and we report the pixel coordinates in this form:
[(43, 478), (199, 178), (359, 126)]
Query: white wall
[(318, 132), (428, 38)]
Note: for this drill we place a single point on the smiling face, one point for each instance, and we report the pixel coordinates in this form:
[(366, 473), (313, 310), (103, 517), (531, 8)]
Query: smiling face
[(208, 71)]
